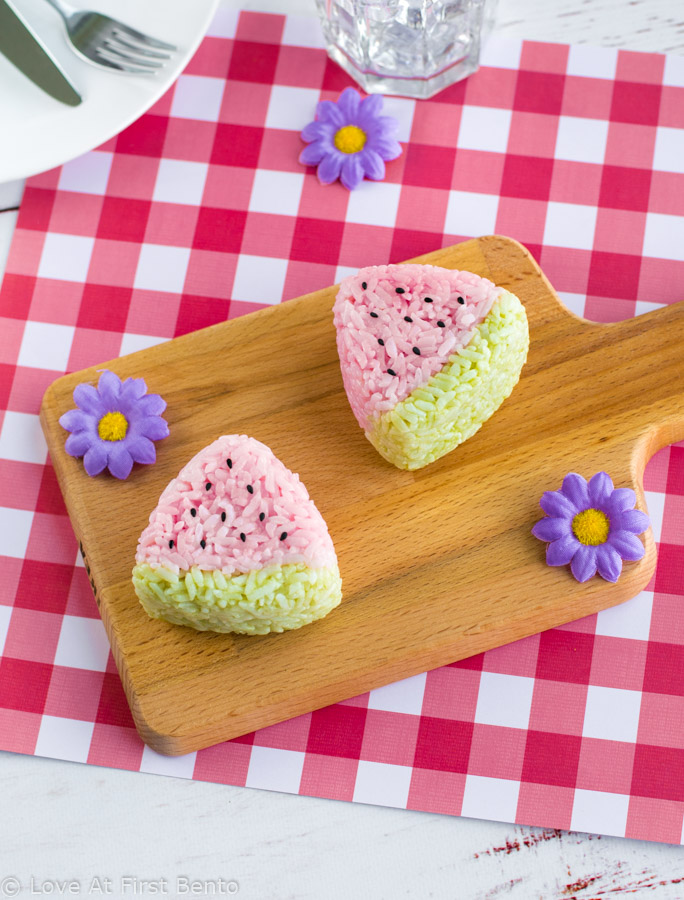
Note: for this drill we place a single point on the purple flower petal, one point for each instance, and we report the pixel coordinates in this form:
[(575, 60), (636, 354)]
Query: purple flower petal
[(552, 529), (329, 169), (352, 172), (623, 498), (120, 460), (575, 489), (627, 545), (387, 148), (560, 552), (155, 428), (556, 504), (608, 562), (370, 109), (313, 154), (633, 520), (132, 389), (348, 102), (600, 489), (76, 420), (372, 163), (96, 458), (151, 405), (327, 111), (141, 450), (315, 130), (109, 388), (387, 126), (78, 444), (583, 565), (88, 399)]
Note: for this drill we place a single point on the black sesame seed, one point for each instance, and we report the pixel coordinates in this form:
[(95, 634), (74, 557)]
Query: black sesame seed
[(400, 290), (391, 372), (374, 315), (381, 342), (242, 537), (460, 300), (250, 488), (364, 285), (408, 319), (208, 485), (441, 324), (283, 535), (416, 351), (262, 516), (193, 512), (229, 463), (428, 299), (170, 545), (223, 517), (203, 543)]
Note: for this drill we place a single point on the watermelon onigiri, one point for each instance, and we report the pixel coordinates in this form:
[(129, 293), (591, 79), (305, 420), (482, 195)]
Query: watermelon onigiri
[(236, 544), (427, 355)]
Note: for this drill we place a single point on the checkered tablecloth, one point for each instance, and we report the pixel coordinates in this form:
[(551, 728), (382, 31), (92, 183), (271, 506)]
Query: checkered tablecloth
[(198, 212)]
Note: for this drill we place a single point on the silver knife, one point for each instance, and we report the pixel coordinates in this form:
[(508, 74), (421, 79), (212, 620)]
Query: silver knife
[(28, 53)]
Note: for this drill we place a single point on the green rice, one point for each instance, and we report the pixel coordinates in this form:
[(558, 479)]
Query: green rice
[(452, 406), (275, 598)]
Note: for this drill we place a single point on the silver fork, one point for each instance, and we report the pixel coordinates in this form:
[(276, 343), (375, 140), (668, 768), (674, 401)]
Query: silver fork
[(110, 43)]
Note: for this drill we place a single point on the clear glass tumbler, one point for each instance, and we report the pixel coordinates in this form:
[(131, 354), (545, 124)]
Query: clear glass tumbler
[(410, 47)]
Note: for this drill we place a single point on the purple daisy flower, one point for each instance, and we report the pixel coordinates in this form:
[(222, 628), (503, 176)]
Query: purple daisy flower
[(592, 526), (350, 140), (114, 425)]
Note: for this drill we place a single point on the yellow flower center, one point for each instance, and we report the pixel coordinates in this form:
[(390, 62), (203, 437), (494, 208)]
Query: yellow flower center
[(112, 426), (591, 527), (350, 139)]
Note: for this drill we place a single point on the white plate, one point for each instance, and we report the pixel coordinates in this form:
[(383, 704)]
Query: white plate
[(38, 133)]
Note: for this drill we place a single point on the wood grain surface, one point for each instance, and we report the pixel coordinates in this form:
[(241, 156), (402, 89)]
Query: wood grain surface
[(437, 564)]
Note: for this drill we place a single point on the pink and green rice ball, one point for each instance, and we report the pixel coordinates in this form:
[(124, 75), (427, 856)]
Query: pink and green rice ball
[(427, 356), (237, 545)]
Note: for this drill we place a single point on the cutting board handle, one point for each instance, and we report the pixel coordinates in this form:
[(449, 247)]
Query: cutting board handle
[(655, 364), (643, 389)]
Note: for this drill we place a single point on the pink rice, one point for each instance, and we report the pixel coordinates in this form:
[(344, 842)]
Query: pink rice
[(370, 388), (278, 493)]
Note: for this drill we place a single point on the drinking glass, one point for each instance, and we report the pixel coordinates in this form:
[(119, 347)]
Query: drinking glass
[(410, 47)]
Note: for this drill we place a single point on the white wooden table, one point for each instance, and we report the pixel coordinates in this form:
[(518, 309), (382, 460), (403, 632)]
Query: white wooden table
[(66, 822)]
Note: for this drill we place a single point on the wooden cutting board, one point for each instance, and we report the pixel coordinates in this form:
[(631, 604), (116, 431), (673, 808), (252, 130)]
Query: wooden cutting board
[(437, 565)]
